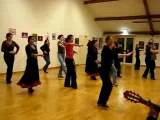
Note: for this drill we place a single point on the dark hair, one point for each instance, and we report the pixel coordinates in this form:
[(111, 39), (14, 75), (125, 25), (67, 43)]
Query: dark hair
[(30, 38), (59, 36), (149, 43), (137, 45), (68, 38), (8, 35), (107, 38), (45, 41), (116, 43)]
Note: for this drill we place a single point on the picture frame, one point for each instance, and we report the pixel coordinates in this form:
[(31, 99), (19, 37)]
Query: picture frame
[(53, 36), (24, 35), (12, 30), (77, 41), (40, 38)]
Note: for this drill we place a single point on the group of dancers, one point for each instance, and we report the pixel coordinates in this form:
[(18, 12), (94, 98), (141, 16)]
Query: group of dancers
[(109, 64)]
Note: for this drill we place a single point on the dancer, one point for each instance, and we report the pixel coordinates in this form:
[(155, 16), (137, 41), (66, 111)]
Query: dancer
[(92, 63), (116, 59), (137, 64), (31, 78), (71, 72), (46, 50), (87, 67), (153, 63), (104, 71), (9, 55), (117, 56), (61, 56), (149, 63)]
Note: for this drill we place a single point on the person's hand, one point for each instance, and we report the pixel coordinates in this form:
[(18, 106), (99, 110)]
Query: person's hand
[(98, 62), (12, 52), (45, 52), (75, 52)]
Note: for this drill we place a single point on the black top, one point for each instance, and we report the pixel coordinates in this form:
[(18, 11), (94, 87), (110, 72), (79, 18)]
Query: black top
[(92, 52), (115, 53), (148, 53), (106, 59), (7, 48), (30, 51), (61, 49), (45, 48)]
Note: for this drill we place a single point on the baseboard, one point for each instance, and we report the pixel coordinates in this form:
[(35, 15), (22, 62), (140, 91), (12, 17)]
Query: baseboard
[(39, 69)]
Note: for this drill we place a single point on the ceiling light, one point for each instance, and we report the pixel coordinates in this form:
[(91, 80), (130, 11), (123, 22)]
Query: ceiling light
[(125, 32)]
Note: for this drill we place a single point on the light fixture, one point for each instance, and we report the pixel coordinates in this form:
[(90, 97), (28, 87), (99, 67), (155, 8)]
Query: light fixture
[(125, 32)]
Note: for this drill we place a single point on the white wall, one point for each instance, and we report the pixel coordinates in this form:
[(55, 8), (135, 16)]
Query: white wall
[(42, 16), (146, 38)]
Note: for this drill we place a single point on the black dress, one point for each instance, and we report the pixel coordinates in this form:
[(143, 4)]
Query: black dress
[(31, 75), (91, 65), (87, 67)]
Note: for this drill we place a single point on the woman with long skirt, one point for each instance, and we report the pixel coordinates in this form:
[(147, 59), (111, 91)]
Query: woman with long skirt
[(87, 66), (31, 78), (9, 55), (92, 63)]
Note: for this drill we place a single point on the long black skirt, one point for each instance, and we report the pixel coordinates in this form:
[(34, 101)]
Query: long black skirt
[(31, 75), (91, 67)]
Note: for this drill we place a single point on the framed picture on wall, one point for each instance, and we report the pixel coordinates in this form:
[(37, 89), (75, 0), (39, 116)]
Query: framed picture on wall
[(24, 35), (40, 38), (100, 43), (13, 31), (53, 36), (77, 41), (156, 45), (141, 44)]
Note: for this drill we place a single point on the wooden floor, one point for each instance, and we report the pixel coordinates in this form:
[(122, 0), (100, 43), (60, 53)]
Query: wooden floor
[(51, 101)]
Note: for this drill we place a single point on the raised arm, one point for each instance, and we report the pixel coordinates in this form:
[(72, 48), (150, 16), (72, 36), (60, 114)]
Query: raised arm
[(124, 55)]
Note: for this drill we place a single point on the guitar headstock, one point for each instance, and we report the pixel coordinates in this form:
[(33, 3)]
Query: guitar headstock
[(132, 96)]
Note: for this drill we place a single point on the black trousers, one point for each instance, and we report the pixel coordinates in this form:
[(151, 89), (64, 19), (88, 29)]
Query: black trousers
[(71, 74), (106, 87), (118, 67), (137, 64), (9, 60), (150, 66)]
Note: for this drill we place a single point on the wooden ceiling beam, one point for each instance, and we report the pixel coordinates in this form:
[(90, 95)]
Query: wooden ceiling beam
[(97, 1), (134, 32), (145, 2), (127, 17)]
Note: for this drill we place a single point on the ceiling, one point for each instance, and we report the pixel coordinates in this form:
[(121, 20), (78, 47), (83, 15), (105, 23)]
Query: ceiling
[(102, 9)]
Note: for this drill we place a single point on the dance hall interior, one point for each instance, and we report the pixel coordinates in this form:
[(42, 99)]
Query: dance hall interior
[(79, 59)]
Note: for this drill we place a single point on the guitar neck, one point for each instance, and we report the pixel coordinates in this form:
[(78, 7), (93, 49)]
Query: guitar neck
[(150, 104)]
